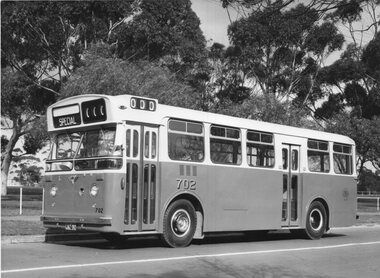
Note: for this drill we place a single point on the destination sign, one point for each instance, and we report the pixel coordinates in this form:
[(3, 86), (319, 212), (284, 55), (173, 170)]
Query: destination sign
[(66, 116), (94, 111)]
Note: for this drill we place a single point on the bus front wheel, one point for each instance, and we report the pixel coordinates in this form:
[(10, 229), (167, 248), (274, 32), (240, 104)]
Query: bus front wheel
[(179, 223), (316, 221)]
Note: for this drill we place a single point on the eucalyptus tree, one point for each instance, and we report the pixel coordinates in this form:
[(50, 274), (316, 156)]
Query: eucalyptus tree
[(22, 107), (167, 32), (278, 53)]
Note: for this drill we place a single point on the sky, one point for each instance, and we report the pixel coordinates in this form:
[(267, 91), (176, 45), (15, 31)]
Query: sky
[(214, 20)]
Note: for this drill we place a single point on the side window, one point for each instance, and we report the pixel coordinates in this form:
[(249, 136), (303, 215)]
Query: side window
[(186, 140), (260, 149), (284, 159), (294, 159), (225, 145), (318, 156), (342, 157)]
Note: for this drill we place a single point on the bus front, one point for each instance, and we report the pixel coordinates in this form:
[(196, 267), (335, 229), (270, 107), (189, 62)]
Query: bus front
[(85, 160)]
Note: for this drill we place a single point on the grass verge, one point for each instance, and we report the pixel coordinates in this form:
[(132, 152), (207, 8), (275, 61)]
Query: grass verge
[(21, 227)]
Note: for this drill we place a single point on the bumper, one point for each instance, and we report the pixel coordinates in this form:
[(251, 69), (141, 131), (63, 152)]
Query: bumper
[(80, 222)]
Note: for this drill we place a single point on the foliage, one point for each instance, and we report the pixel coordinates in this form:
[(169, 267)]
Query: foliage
[(29, 175), (276, 53), (4, 142), (369, 181), (358, 80), (114, 76), (281, 50), (42, 37), (162, 28), (166, 32), (36, 139), (21, 106), (365, 133)]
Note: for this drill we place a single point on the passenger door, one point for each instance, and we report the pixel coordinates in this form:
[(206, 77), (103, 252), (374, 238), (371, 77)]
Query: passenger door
[(291, 185), (141, 154)]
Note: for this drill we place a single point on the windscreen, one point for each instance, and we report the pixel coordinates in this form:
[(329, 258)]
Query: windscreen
[(87, 150)]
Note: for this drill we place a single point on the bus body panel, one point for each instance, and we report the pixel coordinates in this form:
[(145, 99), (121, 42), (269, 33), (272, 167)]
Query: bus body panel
[(73, 194), (338, 191), (73, 203), (233, 198), (242, 198)]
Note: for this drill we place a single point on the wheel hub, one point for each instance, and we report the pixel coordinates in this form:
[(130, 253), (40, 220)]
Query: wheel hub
[(180, 223), (316, 220)]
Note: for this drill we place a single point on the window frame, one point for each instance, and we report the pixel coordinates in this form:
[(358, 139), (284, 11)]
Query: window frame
[(226, 140), (187, 133), (348, 155), (251, 143), (320, 150)]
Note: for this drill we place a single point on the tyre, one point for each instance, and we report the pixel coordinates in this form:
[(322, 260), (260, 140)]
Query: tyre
[(179, 224), (316, 221)]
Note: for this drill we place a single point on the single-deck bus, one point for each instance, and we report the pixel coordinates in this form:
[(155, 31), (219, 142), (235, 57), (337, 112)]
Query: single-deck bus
[(126, 165)]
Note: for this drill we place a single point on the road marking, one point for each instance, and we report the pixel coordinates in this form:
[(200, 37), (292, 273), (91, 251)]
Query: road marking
[(191, 257)]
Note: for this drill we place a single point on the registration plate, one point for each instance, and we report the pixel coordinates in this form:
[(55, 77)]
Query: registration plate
[(71, 227)]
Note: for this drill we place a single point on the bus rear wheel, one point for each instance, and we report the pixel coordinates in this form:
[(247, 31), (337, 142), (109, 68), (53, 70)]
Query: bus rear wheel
[(316, 221), (179, 223)]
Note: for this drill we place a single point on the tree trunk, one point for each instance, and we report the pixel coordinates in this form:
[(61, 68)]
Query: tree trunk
[(6, 163)]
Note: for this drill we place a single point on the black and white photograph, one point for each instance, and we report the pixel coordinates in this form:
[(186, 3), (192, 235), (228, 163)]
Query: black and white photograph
[(190, 138)]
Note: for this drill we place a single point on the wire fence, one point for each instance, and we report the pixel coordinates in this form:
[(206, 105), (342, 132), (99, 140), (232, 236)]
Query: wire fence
[(368, 204), (369, 193)]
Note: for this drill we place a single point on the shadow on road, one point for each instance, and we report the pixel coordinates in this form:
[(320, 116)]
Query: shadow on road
[(95, 240)]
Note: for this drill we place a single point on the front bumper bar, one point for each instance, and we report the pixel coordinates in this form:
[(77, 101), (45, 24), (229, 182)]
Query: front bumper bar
[(84, 222)]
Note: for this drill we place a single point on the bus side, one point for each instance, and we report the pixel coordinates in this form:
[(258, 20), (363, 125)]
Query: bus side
[(240, 197)]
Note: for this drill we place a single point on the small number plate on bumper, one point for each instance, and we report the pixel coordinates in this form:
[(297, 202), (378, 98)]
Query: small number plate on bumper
[(70, 227)]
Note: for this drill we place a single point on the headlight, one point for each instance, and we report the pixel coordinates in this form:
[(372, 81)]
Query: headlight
[(53, 191), (94, 190)]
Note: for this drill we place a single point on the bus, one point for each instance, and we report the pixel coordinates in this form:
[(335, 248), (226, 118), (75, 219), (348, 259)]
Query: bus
[(127, 166)]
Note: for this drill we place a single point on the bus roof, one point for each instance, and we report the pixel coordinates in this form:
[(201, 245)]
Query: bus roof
[(119, 109)]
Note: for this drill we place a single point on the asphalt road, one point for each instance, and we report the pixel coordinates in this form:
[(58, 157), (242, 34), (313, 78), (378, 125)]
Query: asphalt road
[(348, 252)]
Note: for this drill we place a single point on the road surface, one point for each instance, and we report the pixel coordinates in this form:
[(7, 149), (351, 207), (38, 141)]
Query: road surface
[(346, 252)]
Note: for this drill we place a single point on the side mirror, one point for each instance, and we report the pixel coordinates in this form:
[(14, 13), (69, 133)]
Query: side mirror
[(118, 150)]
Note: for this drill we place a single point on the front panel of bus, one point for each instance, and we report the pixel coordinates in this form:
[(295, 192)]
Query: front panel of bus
[(95, 176)]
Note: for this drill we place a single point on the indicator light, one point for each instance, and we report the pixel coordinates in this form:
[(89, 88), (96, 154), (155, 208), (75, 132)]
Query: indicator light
[(94, 190), (53, 191)]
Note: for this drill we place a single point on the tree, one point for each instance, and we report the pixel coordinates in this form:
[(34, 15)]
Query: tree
[(369, 181), (162, 28), (45, 39), (29, 174), (114, 76), (22, 103), (166, 32), (276, 54), (353, 86)]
